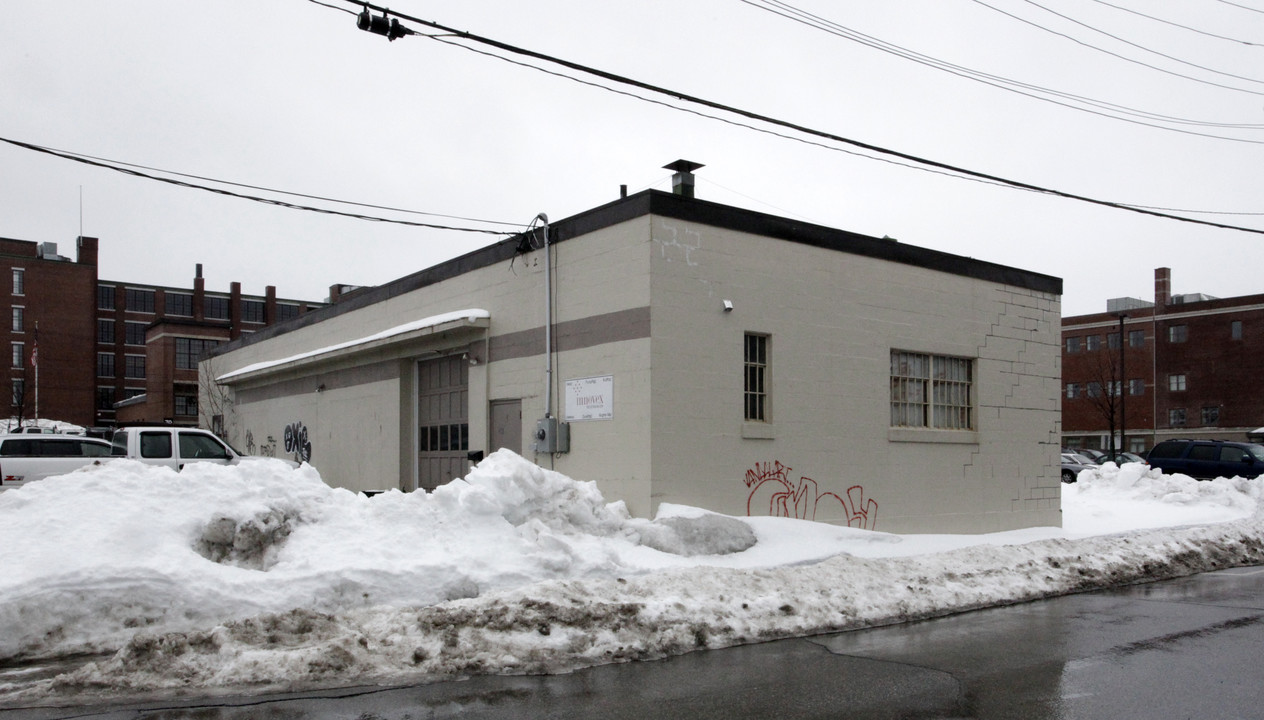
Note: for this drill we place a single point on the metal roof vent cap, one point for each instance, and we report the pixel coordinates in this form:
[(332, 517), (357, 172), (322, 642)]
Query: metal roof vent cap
[(682, 180)]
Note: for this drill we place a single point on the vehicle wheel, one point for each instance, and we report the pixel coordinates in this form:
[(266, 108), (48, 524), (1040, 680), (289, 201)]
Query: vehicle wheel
[(1068, 476)]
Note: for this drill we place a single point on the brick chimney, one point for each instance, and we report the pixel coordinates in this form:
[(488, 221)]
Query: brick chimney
[(1162, 288)]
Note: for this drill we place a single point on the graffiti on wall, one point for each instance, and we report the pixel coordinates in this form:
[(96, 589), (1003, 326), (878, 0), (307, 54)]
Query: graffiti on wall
[(772, 490), (265, 449), (296, 442)]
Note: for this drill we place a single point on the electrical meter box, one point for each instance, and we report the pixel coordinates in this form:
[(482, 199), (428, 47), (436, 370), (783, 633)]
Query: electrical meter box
[(552, 436)]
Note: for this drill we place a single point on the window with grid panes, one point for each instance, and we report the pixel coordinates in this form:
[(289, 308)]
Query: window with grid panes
[(756, 380), (931, 391)]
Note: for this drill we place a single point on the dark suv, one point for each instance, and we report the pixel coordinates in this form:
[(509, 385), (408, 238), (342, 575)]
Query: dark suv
[(1208, 458)]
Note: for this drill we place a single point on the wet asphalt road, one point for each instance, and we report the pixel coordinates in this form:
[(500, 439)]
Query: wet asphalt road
[(1188, 648)]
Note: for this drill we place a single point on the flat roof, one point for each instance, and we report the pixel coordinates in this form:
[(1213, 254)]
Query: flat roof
[(665, 204)]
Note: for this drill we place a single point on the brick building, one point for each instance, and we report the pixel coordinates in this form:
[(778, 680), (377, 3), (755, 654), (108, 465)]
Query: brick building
[(113, 351), (1193, 367)]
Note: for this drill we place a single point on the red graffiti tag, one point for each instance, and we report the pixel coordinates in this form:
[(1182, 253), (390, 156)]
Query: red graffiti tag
[(770, 487)]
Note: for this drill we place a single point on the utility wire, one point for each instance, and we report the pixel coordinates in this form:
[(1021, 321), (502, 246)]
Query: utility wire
[(1178, 25), (612, 77), (219, 191), (815, 21)]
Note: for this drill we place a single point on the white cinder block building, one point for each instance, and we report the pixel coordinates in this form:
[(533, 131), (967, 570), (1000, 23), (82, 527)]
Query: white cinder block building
[(698, 354)]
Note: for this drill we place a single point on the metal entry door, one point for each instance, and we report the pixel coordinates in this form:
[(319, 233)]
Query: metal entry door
[(507, 425), (443, 420)]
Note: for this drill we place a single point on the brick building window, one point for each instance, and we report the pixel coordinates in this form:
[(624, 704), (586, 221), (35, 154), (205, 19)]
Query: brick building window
[(252, 311), (19, 281), (933, 391), (190, 350), (1136, 338), (216, 308), (1176, 383), (19, 319), (134, 333), (19, 355), (755, 360), (1073, 344), (1178, 333), (134, 366), (286, 311), (1211, 415), (179, 304), (1176, 417), (1094, 389), (105, 331), (1235, 330), (1093, 343), (105, 365), (105, 398), (19, 392), (1112, 341), (1136, 386), (105, 297), (140, 300), (186, 404), (1074, 390)]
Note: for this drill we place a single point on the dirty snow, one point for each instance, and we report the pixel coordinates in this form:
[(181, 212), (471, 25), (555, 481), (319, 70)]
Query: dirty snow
[(260, 575)]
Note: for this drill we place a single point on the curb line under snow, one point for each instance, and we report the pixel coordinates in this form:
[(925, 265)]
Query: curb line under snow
[(558, 626)]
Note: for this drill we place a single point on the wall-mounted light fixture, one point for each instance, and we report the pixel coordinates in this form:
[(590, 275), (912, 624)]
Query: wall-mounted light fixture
[(728, 306)]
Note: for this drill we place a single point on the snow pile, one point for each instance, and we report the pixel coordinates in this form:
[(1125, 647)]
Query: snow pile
[(261, 575)]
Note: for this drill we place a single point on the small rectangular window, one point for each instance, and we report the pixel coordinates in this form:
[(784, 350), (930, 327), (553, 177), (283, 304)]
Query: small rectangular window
[(186, 405), (19, 355), (105, 365), (756, 377), (19, 281), (286, 311), (1211, 415), (1176, 383), (1093, 343), (1136, 386), (1177, 333), (1136, 338), (140, 300), (189, 351), (105, 331), (1073, 344), (1235, 330), (105, 398), (19, 392), (1074, 390), (215, 307), (1176, 417), (105, 297), (935, 391), (134, 333), (19, 319), (134, 366), (1112, 341), (252, 311), (178, 304)]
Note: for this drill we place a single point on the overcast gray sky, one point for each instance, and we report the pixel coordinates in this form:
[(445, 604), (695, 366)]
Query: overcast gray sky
[(289, 94)]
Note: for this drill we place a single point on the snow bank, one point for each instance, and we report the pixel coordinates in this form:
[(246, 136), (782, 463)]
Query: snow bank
[(262, 576)]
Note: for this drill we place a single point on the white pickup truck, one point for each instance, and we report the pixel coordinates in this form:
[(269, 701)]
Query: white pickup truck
[(171, 446), (24, 458)]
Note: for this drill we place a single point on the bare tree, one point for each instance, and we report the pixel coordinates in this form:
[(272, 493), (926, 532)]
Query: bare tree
[(1105, 391), (217, 409)]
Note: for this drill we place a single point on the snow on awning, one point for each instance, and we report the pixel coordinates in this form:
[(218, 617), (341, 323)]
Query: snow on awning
[(434, 324)]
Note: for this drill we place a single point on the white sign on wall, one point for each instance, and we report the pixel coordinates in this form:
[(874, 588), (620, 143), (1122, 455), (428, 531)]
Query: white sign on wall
[(590, 399)]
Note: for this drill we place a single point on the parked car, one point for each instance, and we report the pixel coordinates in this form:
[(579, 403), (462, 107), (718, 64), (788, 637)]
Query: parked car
[(1072, 465), (1090, 453), (1120, 458), (1205, 459), (34, 456)]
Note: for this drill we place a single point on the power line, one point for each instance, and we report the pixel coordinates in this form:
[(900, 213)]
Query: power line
[(130, 169), (612, 77), (1178, 25), (817, 22)]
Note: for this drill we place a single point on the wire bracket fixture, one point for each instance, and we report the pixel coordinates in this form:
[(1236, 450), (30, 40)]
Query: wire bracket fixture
[(382, 25)]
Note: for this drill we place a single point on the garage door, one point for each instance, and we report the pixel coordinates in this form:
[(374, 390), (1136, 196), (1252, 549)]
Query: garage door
[(443, 391)]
